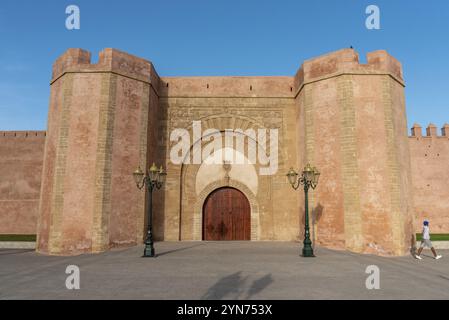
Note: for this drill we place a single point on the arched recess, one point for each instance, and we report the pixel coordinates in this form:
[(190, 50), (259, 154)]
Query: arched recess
[(190, 217)]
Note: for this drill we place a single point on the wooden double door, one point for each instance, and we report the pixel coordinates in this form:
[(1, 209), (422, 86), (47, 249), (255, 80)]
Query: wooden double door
[(226, 216)]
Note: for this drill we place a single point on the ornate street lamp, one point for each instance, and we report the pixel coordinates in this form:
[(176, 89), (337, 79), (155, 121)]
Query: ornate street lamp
[(309, 178), (155, 178)]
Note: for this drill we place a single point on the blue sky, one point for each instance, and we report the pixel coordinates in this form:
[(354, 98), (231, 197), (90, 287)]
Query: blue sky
[(217, 37)]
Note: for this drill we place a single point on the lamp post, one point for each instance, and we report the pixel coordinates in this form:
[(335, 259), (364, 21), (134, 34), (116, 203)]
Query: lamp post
[(154, 178), (309, 178)]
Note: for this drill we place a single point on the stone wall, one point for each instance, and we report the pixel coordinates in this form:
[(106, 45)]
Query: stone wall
[(21, 158), (430, 176)]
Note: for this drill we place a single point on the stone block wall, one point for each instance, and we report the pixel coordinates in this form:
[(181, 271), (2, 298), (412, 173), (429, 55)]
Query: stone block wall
[(21, 159), (430, 176)]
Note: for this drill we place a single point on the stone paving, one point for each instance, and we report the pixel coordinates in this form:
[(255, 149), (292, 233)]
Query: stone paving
[(222, 270)]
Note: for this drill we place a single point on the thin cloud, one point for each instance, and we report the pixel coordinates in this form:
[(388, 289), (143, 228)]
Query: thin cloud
[(15, 67)]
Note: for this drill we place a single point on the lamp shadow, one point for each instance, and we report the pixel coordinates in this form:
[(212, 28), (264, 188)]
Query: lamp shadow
[(317, 213), (177, 250), (444, 277)]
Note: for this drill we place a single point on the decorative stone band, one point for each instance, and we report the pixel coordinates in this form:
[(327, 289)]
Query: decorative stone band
[(22, 134)]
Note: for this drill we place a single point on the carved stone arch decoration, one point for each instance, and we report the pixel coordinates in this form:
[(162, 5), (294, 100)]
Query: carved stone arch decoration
[(234, 122), (245, 123), (248, 123), (199, 203), (224, 121)]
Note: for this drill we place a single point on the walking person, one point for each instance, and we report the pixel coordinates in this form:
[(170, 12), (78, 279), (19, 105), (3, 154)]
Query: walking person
[(425, 242)]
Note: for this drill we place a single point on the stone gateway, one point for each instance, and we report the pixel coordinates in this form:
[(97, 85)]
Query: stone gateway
[(72, 185)]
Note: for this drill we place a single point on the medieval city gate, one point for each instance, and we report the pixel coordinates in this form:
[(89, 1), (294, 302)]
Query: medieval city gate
[(345, 117)]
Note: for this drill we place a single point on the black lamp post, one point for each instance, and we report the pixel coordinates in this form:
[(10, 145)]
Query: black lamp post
[(155, 178), (309, 178)]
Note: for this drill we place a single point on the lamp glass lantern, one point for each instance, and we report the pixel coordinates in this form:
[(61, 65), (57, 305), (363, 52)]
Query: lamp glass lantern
[(308, 173), (292, 176), (161, 175), (316, 176), (153, 172), (138, 176)]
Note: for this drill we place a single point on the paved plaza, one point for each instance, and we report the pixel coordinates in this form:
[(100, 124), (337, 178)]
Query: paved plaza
[(222, 270)]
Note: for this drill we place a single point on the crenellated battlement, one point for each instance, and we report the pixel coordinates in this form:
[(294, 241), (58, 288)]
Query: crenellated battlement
[(71, 58), (23, 134), (110, 60), (346, 61), (431, 131)]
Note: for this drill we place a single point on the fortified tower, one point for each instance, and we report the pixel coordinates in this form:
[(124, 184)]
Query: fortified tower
[(352, 126), (100, 125)]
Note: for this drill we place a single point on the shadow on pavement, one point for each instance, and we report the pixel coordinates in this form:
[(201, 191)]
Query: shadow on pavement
[(4, 252), (232, 287), (259, 285), (177, 250)]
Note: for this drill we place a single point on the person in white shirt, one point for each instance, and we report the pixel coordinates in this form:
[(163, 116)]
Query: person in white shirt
[(425, 242)]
